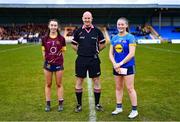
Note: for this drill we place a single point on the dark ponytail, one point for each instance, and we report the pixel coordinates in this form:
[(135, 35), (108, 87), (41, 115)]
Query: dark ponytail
[(55, 20)]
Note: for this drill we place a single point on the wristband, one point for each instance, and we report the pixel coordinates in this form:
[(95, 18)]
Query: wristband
[(121, 63)]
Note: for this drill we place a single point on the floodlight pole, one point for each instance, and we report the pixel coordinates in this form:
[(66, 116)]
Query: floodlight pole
[(160, 17)]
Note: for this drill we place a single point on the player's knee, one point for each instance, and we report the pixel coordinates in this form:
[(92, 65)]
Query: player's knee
[(48, 85), (119, 88), (58, 85), (130, 90)]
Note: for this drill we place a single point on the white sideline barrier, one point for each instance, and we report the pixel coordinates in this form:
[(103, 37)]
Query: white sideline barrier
[(23, 41), (149, 41), (175, 41), (8, 41)]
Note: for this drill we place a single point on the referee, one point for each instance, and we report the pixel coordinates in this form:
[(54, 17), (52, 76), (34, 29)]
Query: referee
[(88, 41)]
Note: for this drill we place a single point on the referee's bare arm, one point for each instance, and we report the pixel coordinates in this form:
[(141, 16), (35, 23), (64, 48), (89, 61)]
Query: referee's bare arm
[(102, 44), (74, 45)]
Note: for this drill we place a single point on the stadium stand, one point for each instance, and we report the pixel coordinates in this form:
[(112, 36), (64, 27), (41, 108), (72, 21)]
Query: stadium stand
[(168, 32), (139, 31), (68, 33), (155, 13), (30, 31)]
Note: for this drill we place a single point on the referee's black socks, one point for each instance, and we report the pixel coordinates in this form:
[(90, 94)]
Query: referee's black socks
[(97, 94), (79, 96)]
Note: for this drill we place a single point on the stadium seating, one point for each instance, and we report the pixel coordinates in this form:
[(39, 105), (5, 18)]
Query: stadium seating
[(168, 32), (31, 32), (112, 30), (68, 33)]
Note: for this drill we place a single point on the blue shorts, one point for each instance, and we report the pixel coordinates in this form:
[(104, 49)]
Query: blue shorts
[(52, 68), (130, 71)]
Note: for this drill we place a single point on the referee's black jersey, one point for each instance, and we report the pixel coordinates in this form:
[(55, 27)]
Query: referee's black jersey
[(88, 40)]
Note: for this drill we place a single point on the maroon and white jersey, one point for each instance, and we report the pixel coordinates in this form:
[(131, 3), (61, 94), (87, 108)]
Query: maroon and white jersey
[(53, 48)]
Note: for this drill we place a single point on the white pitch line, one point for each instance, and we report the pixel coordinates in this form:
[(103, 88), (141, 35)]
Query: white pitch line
[(12, 49), (92, 112), (161, 49)]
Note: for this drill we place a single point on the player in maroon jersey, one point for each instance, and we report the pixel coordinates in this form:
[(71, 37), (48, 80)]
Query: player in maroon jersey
[(53, 47)]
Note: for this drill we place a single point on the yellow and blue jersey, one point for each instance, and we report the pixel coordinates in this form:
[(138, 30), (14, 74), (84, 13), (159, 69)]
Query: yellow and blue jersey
[(121, 48)]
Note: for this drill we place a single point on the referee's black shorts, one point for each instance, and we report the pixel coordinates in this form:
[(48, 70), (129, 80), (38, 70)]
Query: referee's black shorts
[(90, 64)]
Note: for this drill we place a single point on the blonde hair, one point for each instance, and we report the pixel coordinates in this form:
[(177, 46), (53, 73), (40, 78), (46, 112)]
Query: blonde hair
[(126, 21)]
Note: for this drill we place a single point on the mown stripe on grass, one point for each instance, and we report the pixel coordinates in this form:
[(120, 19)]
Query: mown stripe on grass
[(160, 49), (12, 49)]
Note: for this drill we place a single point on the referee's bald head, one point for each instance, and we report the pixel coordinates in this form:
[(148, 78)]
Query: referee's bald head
[(87, 13)]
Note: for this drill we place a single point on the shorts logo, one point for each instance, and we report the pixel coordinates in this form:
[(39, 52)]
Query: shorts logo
[(98, 73), (118, 48), (48, 66), (58, 67)]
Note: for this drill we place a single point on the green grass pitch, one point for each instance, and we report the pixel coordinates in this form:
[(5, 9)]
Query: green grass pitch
[(157, 83)]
